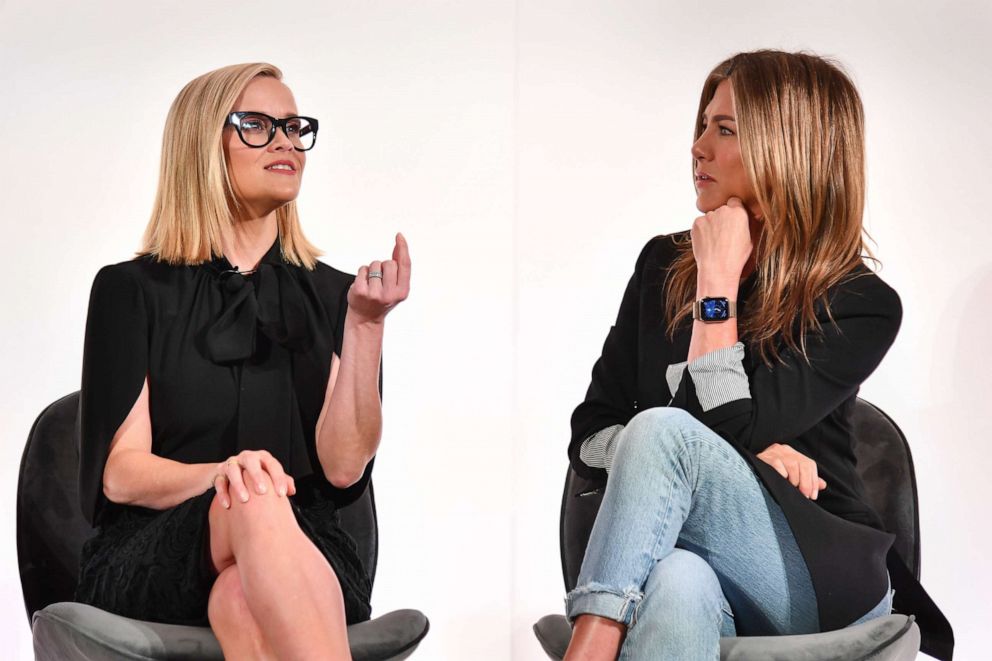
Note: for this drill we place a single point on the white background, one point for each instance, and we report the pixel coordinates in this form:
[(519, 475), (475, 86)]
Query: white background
[(528, 150)]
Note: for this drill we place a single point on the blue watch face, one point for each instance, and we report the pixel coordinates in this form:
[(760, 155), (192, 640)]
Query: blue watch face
[(714, 309)]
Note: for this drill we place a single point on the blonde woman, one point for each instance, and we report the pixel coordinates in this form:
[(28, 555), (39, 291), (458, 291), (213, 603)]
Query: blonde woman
[(230, 396), (719, 414)]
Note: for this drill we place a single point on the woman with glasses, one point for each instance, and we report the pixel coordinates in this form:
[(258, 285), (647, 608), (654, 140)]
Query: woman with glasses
[(230, 398), (719, 417)]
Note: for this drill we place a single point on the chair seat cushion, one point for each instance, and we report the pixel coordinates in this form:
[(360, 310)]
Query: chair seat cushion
[(69, 630), (889, 638)]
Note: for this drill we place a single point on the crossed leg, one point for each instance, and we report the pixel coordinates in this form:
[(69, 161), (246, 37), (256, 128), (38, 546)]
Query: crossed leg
[(275, 596), (685, 535)]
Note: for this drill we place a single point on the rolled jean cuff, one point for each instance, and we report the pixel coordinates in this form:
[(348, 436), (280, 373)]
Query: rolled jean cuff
[(601, 600)]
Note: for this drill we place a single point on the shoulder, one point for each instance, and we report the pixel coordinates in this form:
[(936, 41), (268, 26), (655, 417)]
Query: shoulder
[(660, 252), (863, 292), (331, 281), (141, 269), (138, 274), (129, 275), (119, 297)]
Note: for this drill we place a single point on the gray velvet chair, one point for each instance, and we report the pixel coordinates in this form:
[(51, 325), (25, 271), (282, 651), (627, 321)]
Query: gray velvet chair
[(886, 467), (50, 534)]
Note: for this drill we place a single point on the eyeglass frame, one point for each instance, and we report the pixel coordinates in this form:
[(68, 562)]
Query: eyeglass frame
[(234, 119)]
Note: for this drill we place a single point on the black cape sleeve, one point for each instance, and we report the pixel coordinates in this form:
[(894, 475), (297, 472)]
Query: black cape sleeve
[(115, 362), (343, 497)]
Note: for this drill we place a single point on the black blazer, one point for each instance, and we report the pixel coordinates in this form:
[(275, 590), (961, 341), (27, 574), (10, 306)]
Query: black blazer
[(806, 405)]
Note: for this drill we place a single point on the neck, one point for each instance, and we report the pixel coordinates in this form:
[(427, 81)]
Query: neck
[(247, 240)]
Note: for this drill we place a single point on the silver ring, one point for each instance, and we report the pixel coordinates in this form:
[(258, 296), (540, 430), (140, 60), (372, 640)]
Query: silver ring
[(375, 274)]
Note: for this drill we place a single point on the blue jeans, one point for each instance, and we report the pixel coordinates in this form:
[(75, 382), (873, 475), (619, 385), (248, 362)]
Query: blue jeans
[(689, 546)]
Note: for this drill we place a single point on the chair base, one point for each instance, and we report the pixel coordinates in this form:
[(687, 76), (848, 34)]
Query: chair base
[(68, 630), (889, 638)]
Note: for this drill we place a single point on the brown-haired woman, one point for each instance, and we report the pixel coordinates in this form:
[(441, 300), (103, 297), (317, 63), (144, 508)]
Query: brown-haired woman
[(230, 393), (721, 406)]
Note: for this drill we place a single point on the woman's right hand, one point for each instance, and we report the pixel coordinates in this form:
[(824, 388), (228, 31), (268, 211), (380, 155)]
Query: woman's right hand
[(721, 241), (249, 467)]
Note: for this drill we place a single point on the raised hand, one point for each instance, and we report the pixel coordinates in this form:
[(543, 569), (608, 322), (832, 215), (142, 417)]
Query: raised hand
[(794, 466), (721, 241), (381, 285)]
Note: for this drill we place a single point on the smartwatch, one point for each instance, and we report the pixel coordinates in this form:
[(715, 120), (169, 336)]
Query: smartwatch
[(714, 309)]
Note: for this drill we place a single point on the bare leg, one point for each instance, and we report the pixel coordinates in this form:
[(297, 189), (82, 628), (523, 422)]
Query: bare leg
[(595, 638), (288, 585), (237, 631)]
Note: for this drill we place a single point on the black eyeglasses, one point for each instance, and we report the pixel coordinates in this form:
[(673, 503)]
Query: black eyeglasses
[(256, 129)]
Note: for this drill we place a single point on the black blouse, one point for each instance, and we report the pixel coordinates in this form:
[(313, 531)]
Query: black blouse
[(806, 405), (233, 362)]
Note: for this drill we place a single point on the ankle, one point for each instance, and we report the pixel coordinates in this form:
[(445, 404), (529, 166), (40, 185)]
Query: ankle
[(595, 638)]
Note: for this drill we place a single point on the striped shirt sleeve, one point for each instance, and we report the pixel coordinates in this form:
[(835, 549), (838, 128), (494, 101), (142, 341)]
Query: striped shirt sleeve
[(719, 377), (597, 451)]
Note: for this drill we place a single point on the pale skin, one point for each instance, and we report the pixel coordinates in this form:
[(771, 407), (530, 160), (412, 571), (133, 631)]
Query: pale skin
[(722, 242), (276, 596)]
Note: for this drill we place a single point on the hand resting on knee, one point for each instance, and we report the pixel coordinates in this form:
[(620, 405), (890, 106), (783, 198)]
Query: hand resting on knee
[(255, 464)]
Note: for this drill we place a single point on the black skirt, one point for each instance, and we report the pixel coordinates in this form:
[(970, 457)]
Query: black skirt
[(154, 565)]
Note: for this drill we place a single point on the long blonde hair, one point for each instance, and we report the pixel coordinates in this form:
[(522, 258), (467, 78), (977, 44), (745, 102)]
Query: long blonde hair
[(195, 202), (801, 130)]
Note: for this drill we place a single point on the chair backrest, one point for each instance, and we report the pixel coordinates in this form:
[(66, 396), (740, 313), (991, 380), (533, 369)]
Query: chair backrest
[(50, 524), (884, 464)]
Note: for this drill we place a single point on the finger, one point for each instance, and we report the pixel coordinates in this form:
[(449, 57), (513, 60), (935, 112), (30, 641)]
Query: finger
[(735, 202), (375, 284), (390, 273), (401, 255), (237, 482), (805, 479), (823, 484), (280, 481), (253, 468), (292, 485), (793, 469), (361, 283), (401, 251), (779, 465), (815, 479), (220, 485)]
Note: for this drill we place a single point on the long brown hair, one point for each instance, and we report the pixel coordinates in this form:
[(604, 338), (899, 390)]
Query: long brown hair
[(801, 130), (195, 200)]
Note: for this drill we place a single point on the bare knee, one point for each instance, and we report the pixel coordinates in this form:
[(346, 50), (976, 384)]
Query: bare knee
[(227, 608), (264, 519), (221, 552)]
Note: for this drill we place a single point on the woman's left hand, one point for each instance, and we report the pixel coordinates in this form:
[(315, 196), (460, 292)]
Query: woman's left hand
[(372, 296), (794, 466)]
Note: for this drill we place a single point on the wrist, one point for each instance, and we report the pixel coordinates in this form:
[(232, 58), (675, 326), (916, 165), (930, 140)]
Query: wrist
[(364, 324), (724, 287)]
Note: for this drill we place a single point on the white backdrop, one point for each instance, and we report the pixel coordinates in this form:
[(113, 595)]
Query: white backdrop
[(527, 149)]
